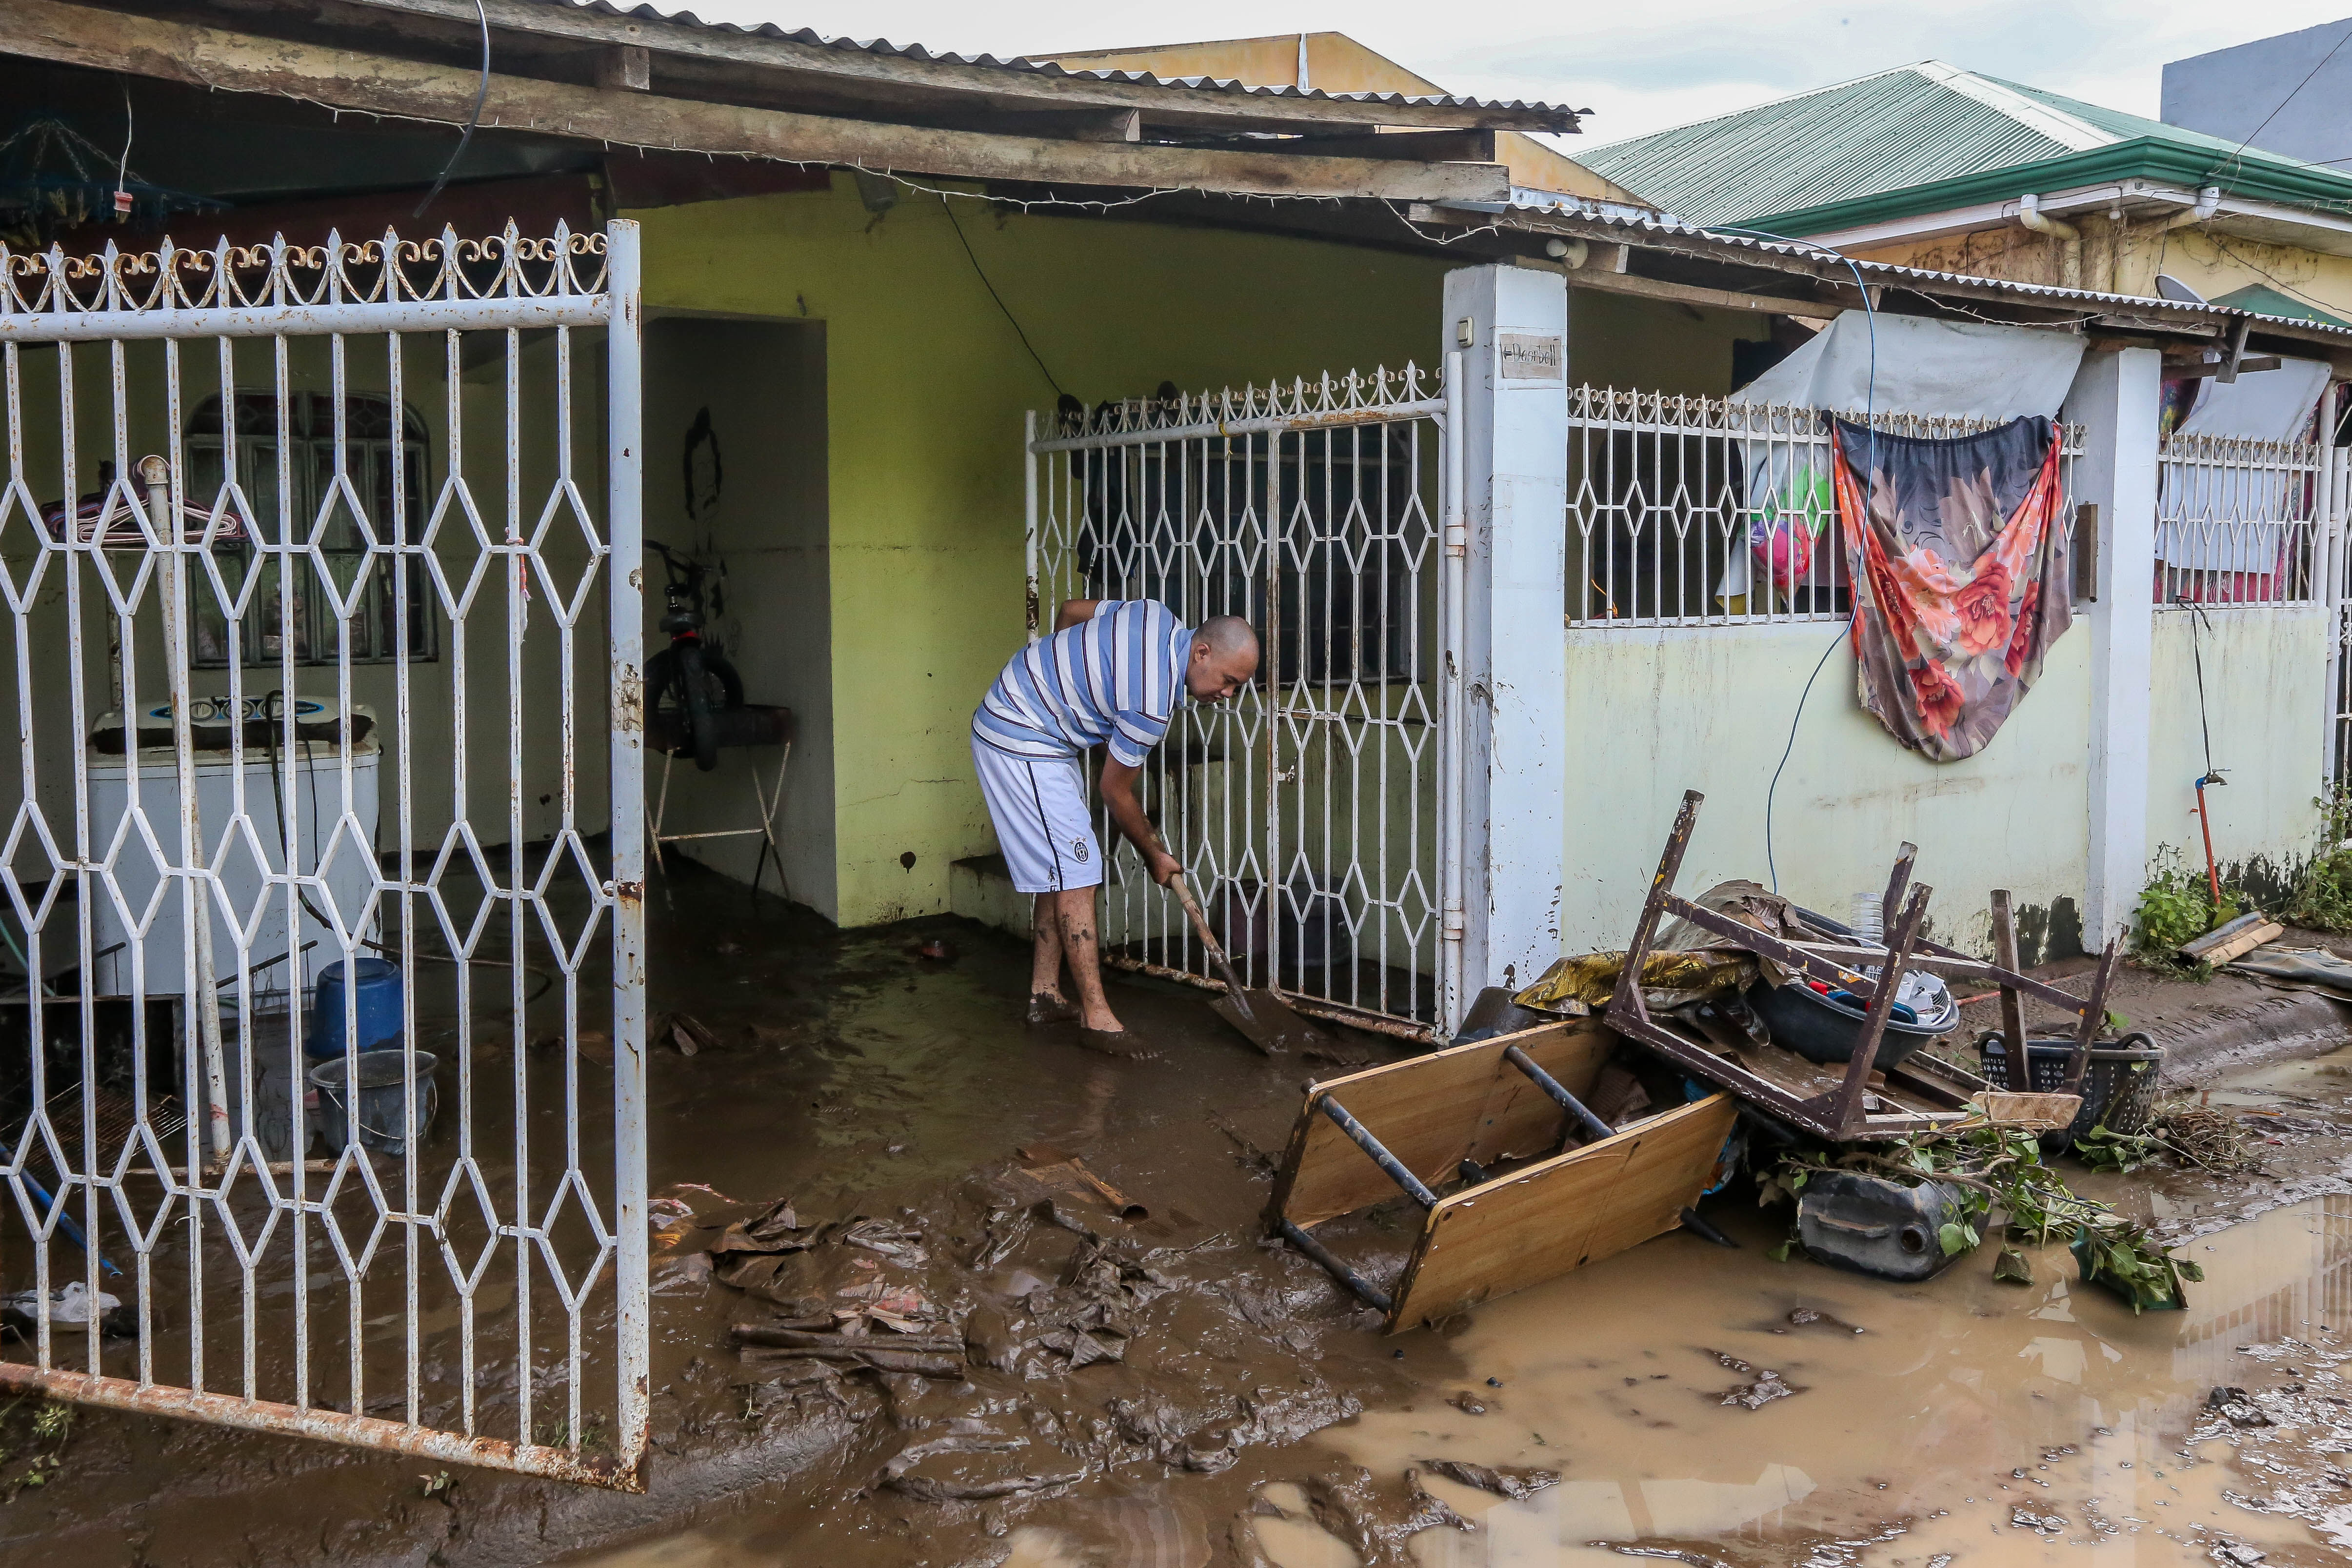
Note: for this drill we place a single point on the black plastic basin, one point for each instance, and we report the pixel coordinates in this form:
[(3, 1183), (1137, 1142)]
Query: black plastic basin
[(1804, 1020)]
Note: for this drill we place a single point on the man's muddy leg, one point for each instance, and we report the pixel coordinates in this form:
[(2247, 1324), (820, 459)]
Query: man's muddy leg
[(1046, 1002), (1076, 907)]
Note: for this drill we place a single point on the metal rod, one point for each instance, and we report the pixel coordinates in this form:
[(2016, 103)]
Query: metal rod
[(334, 1426), (1453, 576), (1699, 1228), (1309, 1007), (1576, 1108), (1371, 1294), (1627, 995), (163, 514), (626, 612), (1029, 494), (408, 315), (1391, 1167), (1277, 425)]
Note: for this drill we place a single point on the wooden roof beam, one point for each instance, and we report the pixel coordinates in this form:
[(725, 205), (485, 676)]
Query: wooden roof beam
[(206, 56)]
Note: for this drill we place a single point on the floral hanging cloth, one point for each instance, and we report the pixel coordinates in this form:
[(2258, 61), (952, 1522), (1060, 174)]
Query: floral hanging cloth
[(1960, 583)]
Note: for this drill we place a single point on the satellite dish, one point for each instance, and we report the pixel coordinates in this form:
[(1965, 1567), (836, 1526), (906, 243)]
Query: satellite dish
[(2170, 287)]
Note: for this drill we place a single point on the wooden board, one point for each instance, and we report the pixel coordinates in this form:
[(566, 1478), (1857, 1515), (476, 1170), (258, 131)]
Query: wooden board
[(1563, 1213), (1433, 1112), (419, 89), (2034, 1113)]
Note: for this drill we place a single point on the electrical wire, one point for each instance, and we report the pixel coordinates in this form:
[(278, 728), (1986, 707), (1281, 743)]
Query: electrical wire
[(481, 95), (1870, 423), (1771, 869), (982, 274), (2238, 150), (122, 168)]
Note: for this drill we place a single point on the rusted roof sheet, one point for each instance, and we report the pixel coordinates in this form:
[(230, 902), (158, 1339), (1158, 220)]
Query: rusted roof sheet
[(1052, 68), (1725, 243)]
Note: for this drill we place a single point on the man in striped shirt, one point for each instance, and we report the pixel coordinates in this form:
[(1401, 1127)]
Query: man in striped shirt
[(1111, 676)]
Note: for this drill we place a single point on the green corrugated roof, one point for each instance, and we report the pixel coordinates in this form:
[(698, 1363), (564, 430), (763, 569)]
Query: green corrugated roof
[(2262, 300), (1918, 139)]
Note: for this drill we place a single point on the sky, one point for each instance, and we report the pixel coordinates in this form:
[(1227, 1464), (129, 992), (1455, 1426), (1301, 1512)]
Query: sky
[(1639, 68)]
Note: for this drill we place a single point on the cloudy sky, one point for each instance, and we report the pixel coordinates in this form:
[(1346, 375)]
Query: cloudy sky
[(1639, 68)]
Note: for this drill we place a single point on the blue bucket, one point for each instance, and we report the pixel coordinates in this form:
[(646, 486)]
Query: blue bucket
[(377, 984)]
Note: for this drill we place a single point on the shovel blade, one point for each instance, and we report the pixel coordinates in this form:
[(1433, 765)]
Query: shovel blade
[(1269, 1023)]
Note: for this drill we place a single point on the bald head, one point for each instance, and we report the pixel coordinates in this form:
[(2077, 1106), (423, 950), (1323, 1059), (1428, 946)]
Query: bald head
[(1225, 657)]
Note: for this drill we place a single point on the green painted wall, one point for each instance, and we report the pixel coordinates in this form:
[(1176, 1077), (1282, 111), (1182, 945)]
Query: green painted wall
[(1653, 345), (926, 382)]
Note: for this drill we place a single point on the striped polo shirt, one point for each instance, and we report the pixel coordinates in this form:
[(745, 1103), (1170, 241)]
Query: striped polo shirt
[(1115, 680)]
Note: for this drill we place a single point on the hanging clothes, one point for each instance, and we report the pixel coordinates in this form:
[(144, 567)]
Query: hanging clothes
[(1961, 583)]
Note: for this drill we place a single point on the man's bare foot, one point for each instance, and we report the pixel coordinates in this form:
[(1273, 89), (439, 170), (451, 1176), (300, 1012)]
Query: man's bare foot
[(1100, 1020), (1120, 1043), (1047, 1006)]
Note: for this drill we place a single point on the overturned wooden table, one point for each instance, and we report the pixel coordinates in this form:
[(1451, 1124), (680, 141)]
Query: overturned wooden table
[(1918, 1095)]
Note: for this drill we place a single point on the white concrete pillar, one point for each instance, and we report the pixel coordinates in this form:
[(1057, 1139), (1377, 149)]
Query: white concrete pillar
[(2115, 398), (1511, 324)]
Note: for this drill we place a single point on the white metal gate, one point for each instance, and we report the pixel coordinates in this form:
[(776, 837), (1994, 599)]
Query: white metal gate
[(282, 527), (1306, 812)]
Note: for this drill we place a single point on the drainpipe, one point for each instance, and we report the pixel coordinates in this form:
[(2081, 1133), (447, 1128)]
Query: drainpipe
[(2208, 202), (2070, 254)]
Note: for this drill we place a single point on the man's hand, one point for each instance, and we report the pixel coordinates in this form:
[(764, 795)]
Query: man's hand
[(1118, 799)]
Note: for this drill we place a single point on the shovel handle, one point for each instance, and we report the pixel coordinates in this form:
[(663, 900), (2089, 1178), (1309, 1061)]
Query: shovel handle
[(1208, 938)]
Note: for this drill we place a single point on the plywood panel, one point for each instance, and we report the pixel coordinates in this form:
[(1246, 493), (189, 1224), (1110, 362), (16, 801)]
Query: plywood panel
[(1431, 1112), (1572, 1209)]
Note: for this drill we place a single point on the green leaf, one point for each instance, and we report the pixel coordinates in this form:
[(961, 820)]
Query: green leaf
[(2011, 1267), (1780, 1254), (2188, 1270), (1955, 1240)]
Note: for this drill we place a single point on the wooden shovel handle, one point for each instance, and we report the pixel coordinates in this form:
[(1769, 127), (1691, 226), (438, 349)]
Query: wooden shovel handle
[(1208, 938)]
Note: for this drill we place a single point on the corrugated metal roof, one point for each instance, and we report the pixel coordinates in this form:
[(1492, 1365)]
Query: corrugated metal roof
[(1048, 67), (1914, 125), (1885, 273)]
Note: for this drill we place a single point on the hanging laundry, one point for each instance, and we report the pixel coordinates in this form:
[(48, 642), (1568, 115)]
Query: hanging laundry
[(1961, 581)]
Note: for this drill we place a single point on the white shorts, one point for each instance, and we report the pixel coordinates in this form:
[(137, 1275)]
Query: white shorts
[(1043, 825)]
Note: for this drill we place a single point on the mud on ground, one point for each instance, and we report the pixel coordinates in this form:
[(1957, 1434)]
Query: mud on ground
[(1163, 1389)]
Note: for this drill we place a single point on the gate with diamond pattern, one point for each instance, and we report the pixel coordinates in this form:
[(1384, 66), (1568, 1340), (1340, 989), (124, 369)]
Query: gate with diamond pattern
[(322, 569), (1308, 811)]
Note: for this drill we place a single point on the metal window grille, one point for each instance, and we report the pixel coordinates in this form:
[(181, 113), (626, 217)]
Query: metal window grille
[(476, 1292), (2237, 522), (304, 471), (1306, 810), (1692, 511)]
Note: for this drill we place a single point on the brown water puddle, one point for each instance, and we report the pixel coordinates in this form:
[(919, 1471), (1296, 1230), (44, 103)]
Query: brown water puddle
[(1963, 1420)]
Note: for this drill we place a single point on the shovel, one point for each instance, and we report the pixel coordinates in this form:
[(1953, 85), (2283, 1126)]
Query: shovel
[(1264, 1018)]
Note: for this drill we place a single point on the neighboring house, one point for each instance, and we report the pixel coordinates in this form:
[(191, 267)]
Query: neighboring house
[(1931, 166), (1336, 63), (2290, 94)]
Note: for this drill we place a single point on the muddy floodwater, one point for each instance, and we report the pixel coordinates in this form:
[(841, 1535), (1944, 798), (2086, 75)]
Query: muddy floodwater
[(1149, 1384), (1962, 1421)]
